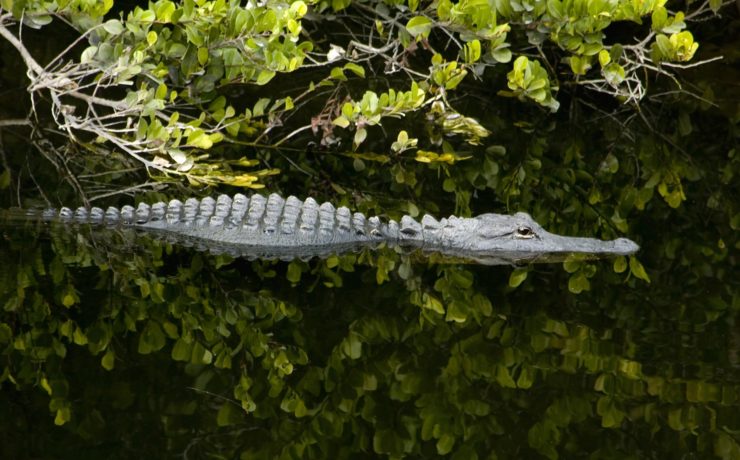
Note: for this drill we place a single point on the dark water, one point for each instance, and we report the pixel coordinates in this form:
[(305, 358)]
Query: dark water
[(135, 346)]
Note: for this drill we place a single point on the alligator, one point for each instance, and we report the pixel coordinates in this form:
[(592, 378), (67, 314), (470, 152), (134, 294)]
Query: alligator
[(274, 227)]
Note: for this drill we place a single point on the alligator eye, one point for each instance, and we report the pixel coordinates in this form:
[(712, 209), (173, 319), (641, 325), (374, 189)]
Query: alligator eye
[(524, 232)]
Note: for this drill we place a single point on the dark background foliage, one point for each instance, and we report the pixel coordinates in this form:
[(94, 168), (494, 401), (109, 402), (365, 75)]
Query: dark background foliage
[(115, 346)]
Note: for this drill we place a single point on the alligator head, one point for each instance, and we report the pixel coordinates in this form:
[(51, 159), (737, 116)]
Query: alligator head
[(494, 239)]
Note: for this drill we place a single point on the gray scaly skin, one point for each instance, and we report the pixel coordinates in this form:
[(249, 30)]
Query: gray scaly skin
[(274, 227)]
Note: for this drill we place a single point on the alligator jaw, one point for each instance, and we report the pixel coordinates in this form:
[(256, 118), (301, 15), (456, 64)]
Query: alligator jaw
[(550, 248), (557, 248)]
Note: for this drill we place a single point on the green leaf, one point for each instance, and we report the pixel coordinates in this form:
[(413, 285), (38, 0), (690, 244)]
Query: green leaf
[(298, 8), (199, 139), (360, 136), (200, 354), (659, 18), (152, 338), (620, 264), (68, 299), (170, 330), (294, 272), (517, 277), (445, 444), (355, 346), (341, 121), (471, 52), (194, 35), (164, 11), (338, 5), (267, 21), (89, 54), (614, 74), (526, 378), (355, 69), (338, 74), (664, 46), (348, 110), (109, 360), (151, 37), (264, 77), (503, 377), (578, 283), (63, 416), (79, 337), (182, 350), (161, 92), (432, 303), (579, 65), (555, 8), (113, 27), (386, 442), (5, 333), (456, 312), (419, 25), (572, 265), (202, 55), (502, 55), (638, 270), (259, 107), (228, 414), (611, 416)]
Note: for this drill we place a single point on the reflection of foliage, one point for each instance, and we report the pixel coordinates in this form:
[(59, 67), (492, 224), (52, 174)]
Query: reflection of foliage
[(135, 348), (438, 361)]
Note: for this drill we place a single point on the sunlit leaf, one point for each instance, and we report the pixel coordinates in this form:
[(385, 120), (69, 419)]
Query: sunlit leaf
[(419, 25)]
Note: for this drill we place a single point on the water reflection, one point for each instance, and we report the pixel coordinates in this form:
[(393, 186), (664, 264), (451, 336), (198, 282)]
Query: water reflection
[(263, 355)]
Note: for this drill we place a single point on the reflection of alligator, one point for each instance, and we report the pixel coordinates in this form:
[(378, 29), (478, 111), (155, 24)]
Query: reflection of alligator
[(274, 227)]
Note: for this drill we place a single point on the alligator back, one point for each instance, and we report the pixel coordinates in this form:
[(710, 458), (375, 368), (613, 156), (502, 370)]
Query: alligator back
[(273, 227), (241, 226)]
